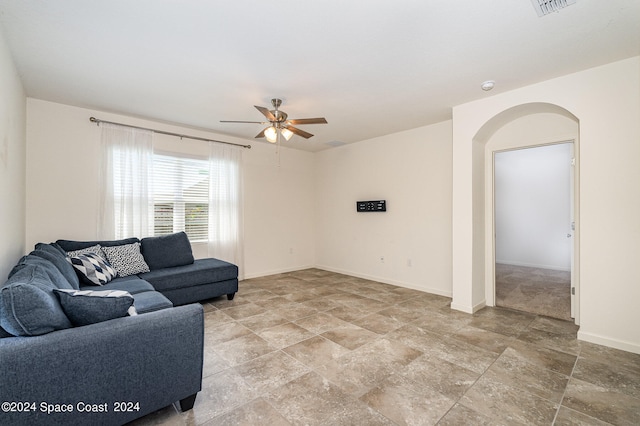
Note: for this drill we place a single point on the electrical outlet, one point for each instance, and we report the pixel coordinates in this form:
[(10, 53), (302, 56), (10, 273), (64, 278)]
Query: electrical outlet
[(381, 259)]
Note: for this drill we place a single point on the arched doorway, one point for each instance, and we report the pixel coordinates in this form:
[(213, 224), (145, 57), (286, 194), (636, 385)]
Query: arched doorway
[(523, 126)]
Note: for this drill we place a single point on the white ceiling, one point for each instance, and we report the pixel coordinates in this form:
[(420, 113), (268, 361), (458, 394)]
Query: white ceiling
[(371, 67)]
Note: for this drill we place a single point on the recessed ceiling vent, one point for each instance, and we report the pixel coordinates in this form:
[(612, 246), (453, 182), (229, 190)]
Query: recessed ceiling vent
[(545, 7)]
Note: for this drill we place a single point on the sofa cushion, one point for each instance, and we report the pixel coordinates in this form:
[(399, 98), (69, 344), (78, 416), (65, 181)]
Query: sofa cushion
[(28, 306), (84, 307), (202, 271), (131, 284), (167, 251), (93, 268), (126, 259), (55, 276), (57, 256), (149, 301), (70, 245)]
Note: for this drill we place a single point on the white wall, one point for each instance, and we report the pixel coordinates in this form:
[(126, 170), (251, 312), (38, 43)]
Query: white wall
[(533, 207), (429, 198), (606, 101), (12, 162), (62, 178), (279, 210), (410, 170)]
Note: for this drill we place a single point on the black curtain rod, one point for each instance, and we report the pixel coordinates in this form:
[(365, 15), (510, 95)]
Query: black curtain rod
[(162, 132)]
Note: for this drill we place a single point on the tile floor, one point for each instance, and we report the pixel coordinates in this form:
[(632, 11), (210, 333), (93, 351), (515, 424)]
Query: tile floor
[(540, 291), (318, 348)]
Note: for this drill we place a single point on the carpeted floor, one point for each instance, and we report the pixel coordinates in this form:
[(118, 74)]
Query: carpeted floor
[(539, 291)]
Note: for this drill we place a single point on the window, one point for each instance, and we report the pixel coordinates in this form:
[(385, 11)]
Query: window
[(145, 192), (181, 196)]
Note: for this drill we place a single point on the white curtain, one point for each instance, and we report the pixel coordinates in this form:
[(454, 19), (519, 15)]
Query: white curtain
[(126, 207), (225, 204)]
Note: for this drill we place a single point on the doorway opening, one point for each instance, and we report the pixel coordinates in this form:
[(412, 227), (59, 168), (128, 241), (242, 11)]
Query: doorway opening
[(534, 228)]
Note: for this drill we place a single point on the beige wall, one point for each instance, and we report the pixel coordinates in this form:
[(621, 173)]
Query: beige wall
[(12, 163), (303, 213), (62, 186), (411, 170), (606, 102)]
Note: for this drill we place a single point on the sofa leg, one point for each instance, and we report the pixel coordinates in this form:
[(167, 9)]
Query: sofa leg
[(186, 404), (230, 296)]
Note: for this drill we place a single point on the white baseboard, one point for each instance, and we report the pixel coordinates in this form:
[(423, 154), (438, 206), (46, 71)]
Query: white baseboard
[(468, 309), (531, 265), (276, 271), (607, 341), (386, 281)]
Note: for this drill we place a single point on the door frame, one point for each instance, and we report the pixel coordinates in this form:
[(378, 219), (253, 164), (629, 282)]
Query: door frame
[(490, 225)]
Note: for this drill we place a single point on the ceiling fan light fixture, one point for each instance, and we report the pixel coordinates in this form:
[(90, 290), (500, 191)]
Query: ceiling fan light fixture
[(286, 133), (271, 134)]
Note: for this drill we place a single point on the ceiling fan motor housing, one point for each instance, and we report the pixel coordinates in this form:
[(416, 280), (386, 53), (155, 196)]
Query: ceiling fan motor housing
[(280, 116)]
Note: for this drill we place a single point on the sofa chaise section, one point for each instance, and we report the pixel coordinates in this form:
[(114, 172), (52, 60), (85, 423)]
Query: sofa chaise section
[(201, 280)]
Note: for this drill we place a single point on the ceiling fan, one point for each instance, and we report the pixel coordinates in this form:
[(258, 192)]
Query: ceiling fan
[(279, 124)]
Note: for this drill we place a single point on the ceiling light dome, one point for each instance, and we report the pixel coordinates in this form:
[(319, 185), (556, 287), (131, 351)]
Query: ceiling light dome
[(488, 85), (271, 134), (286, 133)]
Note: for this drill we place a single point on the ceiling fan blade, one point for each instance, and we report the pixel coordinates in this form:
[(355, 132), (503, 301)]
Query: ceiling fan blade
[(320, 120), (236, 121), (299, 132), (261, 134), (266, 113)]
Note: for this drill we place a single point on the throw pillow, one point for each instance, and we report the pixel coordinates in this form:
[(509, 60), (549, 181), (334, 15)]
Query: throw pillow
[(126, 259), (69, 245), (93, 268), (84, 307), (167, 251), (97, 249)]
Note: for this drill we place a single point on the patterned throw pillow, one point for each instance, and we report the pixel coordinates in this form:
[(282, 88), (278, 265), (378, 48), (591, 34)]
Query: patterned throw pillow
[(97, 249), (94, 268), (126, 259), (84, 307)]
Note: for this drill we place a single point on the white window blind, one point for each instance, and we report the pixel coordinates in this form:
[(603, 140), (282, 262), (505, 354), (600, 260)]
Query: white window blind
[(181, 196)]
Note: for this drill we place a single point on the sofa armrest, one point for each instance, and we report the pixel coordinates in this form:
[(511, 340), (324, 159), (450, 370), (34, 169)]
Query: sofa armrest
[(150, 361)]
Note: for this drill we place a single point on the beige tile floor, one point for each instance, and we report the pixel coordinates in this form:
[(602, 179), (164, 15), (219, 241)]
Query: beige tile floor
[(318, 348), (540, 291)]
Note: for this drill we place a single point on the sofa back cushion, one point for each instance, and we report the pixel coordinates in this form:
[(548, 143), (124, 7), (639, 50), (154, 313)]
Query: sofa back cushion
[(49, 269), (28, 306), (57, 257), (70, 245), (167, 251)]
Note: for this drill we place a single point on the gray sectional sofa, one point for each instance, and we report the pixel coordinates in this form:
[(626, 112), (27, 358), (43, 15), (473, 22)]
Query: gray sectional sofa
[(173, 270), (73, 353)]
